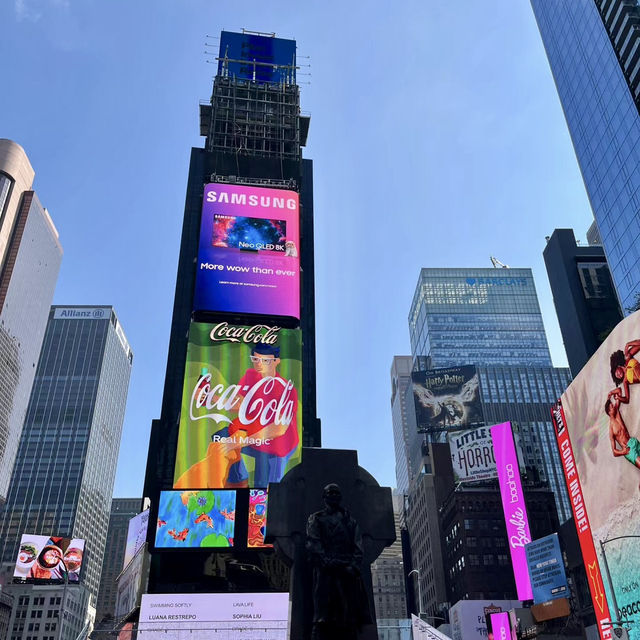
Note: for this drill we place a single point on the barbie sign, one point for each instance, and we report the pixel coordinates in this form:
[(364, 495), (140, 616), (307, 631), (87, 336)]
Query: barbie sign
[(515, 512)]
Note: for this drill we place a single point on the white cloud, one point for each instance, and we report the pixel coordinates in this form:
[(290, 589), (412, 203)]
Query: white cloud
[(24, 12)]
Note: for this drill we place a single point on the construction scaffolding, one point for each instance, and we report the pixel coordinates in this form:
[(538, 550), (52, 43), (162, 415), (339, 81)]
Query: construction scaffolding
[(254, 119)]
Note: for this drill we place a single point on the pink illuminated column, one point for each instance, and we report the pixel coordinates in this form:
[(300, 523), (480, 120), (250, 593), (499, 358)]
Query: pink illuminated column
[(515, 511)]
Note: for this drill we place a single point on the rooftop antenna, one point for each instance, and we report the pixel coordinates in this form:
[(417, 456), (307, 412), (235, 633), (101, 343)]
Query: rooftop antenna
[(497, 264)]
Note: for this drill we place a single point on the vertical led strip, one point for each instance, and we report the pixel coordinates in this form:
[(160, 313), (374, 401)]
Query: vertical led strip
[(513, 505)]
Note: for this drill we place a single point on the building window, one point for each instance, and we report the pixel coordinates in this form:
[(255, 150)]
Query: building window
[(487, 560)]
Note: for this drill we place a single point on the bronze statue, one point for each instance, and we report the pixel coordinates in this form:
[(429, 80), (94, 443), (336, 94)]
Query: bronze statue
[(334, 546)]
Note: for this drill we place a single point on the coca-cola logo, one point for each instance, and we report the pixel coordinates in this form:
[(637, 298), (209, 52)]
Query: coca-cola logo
[(259, 401), (257, 334)]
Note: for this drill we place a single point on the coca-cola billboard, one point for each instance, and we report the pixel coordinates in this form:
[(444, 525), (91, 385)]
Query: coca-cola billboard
[(240, 423)]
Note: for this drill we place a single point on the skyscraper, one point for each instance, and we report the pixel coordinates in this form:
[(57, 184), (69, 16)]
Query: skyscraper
[(65, 469), (593, 50), (251, 158), (30, 257), (583, 295), (481, 316), (489, 319)]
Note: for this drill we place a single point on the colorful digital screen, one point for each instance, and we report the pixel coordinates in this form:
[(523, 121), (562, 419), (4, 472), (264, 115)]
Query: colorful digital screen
[(498, 626), (513, 505), (257, 518), (598, 429), (240, 422), (248, 255), (136, 536), (49, 558), (447, 398), (195, 519), (250, 234), (263, 59)]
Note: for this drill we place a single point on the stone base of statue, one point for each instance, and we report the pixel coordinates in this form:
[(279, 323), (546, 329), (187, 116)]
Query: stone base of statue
[(329, 520)]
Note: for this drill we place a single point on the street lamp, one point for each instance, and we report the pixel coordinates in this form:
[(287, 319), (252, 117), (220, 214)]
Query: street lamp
[(419, 591), (606, 568)]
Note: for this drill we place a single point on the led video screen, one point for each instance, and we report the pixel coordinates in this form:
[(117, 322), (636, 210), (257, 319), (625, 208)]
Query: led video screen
[(257, 519), (196, 519), (49, 558), (240, 420), (248, 260)]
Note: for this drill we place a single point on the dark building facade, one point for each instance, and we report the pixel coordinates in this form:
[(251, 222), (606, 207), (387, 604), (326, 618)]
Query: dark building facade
[(254, 133), (583, 295), (594, 54)]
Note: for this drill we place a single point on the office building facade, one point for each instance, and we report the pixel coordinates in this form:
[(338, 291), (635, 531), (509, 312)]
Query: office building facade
[(122, 510), (49, 612), (30, 257), (254, 133), (583, 294), (65, 469), (401, 413), (482, 316), (593, 51)]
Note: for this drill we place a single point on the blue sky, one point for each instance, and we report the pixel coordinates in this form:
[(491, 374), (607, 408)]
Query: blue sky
[(437, 139)]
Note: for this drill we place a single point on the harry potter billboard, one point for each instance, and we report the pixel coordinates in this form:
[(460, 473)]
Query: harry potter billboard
[(240, 419), (447, 398)]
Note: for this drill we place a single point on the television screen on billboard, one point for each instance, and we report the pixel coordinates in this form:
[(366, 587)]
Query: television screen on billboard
[(447, 398), (248, 259), (239, 424), (263, 59), (195, 519), (257, 518), (598, 430), (136, 536), (49, 558)]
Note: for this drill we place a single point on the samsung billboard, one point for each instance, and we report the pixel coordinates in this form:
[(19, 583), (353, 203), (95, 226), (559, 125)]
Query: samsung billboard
[(248, 260)]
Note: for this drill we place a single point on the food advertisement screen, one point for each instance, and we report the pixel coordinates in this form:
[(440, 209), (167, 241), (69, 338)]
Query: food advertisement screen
[(195, 519), (240, 422), (49, 558), (248, 259)]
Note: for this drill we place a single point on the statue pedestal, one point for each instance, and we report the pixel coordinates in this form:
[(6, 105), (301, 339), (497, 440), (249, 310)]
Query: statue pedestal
[(299, 495)]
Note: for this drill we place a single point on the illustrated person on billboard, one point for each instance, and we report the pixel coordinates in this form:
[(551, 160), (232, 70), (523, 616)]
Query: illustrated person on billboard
[(618, 432), (625, 369), (261, 392), (270, 458)]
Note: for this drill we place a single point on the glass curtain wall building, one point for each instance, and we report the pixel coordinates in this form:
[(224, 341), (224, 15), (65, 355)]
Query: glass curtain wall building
[(65, 469), (483, 316), (593, 51)]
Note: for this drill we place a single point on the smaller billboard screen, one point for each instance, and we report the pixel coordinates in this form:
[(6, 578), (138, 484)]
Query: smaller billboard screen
[(513, 505), (257, 518), (49, 558), (195, 519), (261, 58), (498, 626), (472, 455), (447, 398), (136, 536), (546, 569), (251, 234)]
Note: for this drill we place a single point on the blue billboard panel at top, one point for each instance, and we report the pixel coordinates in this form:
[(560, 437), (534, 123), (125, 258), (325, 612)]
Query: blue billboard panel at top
[(269, 58)]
